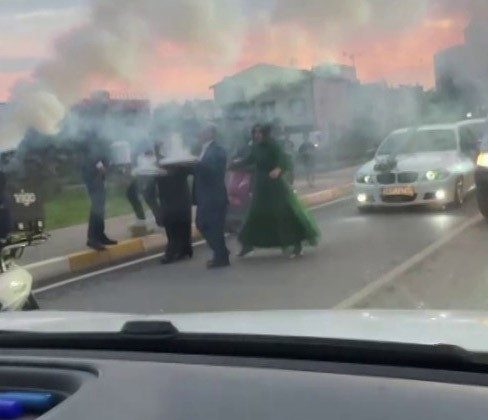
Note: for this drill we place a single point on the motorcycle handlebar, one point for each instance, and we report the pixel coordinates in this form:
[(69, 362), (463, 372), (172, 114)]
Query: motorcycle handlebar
[(13, 248)]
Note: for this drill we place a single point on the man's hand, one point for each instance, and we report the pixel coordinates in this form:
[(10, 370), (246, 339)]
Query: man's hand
[(275, 173), (101, 167)]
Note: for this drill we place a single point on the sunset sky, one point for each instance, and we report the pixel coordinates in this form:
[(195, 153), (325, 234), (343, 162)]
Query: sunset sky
[(393, 42)]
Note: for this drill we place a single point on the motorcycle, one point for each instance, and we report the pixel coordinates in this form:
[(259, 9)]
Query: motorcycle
[(15, 281), (21, 225)]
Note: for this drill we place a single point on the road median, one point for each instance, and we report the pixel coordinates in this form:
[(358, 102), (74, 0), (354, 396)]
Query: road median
[(86, 260)]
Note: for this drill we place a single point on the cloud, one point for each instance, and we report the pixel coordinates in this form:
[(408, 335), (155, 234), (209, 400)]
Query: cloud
[(150, 43), (18, 64), (21, 6)]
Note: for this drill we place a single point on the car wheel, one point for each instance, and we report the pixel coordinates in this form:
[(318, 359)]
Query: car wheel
[(30, 304), (459, 193)]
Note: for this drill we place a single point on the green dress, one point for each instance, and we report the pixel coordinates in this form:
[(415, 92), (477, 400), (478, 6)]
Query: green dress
[(276, 218)]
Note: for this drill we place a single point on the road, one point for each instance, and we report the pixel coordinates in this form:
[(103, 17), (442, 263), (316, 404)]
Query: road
[(356, 250)]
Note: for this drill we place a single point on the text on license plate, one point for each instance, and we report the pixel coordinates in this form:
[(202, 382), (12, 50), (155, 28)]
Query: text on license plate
[(406, 191)]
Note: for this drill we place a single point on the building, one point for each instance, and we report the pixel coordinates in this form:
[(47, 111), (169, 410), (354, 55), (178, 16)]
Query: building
[(301, 101), (113, 118), (327, 100), (461, 71)]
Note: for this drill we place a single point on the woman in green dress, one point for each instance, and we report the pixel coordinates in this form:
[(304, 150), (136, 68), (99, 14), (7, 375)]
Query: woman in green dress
[(276, 218)]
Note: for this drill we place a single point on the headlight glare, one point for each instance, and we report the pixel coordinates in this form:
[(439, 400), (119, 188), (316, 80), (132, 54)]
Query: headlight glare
[(483, 159), (365, 179), (436, 175)]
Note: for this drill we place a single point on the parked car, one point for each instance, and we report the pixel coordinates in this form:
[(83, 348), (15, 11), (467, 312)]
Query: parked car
[(432, 164)]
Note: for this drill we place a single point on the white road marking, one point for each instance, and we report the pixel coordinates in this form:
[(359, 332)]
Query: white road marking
[(330, 203), (401, 269), (144, 259), (102, 271)]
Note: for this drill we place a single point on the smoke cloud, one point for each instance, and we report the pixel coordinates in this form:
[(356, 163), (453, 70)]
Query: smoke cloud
[(115, 45), (121, 37)]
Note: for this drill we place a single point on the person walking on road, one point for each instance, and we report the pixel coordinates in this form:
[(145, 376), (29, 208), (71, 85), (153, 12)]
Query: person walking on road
[(306, 153), (175, 204), (211, 196), (276, 218), (94, 170)]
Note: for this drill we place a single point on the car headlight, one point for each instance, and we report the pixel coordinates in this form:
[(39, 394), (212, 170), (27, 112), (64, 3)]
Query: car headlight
[(483, 159), (365, 179), (436, 175)]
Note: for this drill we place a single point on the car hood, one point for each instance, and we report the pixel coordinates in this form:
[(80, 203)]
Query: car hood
[(465, 329), (416, 162)]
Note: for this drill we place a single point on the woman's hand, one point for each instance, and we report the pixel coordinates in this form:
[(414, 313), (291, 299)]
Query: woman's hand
[(275, 173)]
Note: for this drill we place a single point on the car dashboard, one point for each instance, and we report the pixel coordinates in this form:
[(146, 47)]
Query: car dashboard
[(138, 385)]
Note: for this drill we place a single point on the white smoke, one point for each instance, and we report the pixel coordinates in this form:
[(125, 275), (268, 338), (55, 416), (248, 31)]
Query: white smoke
[(114, 45), (120, 37), (333, 21)]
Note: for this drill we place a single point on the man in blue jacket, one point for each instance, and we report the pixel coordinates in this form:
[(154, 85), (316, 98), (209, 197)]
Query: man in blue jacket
[(211, 196)]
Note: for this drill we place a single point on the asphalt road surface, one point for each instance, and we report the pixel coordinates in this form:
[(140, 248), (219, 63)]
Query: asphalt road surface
[(356, 250)]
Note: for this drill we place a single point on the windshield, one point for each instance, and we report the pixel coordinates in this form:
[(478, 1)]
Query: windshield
[(166, 157), (419, 142)]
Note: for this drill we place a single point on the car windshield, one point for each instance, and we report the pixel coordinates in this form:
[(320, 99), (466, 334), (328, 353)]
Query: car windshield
[(418, 142), (162, 157)]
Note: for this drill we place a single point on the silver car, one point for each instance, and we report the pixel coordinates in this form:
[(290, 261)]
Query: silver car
[(423, 165)]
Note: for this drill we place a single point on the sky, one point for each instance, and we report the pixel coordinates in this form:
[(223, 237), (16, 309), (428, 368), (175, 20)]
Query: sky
[(391, 40)]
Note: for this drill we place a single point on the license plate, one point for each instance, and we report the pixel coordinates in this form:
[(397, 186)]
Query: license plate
[(405, 191)]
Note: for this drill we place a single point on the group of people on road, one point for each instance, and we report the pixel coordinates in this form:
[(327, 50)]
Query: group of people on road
[(275, 218)]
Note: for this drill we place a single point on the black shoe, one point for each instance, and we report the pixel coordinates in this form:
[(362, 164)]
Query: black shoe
[(167, 259), (95, 245), (297, 251), (246, 250), (108, 241), (218, 264), (185, 255)]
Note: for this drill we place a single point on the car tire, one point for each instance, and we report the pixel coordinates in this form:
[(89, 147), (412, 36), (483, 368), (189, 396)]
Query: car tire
[(30, 304), (482, 198), (458, 193)]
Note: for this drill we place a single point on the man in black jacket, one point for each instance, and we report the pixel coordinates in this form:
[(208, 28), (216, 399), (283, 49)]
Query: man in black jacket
[(175, 204), (94, 169), (211, 196)]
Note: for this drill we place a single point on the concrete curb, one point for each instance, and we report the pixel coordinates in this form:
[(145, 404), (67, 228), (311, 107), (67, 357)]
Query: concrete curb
[(88, 259)]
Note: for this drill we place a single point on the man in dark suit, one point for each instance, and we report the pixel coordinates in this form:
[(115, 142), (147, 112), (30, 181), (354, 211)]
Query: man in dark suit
[(211, 196), (175, 203), (94, 168)]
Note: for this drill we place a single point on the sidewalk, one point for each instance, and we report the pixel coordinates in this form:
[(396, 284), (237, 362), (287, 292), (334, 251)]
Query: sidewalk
[(72, 239)]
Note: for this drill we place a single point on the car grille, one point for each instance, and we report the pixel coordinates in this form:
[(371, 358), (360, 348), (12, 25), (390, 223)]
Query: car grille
[(407, 177), (399, 199), (386, 178)]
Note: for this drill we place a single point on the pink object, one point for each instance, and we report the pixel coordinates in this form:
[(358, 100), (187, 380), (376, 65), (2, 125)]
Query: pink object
[(239, 188)]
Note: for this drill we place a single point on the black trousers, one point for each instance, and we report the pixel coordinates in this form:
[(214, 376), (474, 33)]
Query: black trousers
[(98, 197), (132, 194), (178, 233), (211, 225), (149, 192)]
